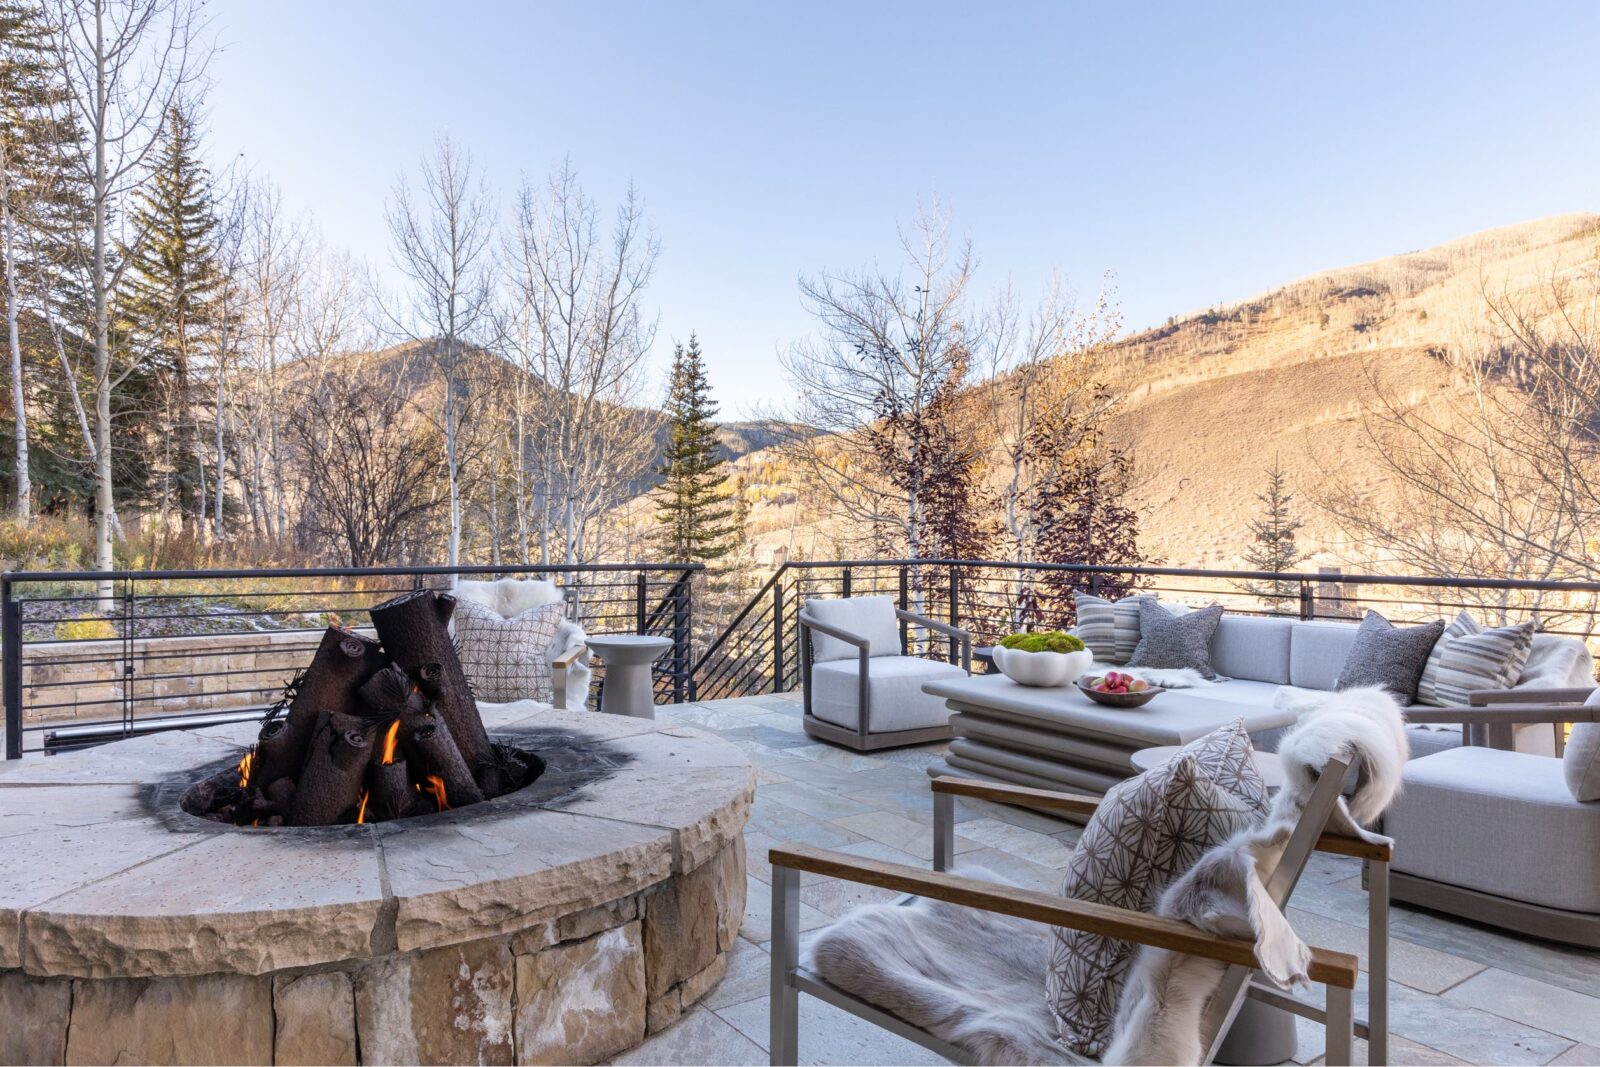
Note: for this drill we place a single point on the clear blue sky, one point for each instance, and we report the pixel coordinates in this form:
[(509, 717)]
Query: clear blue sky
[(1203, 152)]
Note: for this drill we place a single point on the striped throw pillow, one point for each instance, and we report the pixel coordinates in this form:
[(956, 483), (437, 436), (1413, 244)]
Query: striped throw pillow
[(1488, 659), (1110, 628), (1428, 688)]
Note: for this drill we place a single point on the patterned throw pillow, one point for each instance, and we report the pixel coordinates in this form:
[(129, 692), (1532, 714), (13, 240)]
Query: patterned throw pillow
[(1488, 659), (1110, 628), (1389, 656), (1176, 642), (1145, 833), (1428, 687), (507, 659)]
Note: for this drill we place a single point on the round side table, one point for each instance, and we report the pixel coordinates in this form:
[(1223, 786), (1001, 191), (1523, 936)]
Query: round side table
[(627, 688), (1267, 763)]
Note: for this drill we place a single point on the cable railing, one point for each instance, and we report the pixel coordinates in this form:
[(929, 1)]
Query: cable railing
[(759, 651), (87, 657)]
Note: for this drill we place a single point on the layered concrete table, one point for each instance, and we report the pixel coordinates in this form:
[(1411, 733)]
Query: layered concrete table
[(1057, 738)]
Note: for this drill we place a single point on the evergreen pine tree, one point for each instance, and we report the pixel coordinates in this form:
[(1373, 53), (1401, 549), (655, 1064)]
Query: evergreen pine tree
[(1273, 545), (170, 306), (694, 516)]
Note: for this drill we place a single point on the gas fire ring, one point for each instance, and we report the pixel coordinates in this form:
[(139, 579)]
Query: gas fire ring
[(562, 922)]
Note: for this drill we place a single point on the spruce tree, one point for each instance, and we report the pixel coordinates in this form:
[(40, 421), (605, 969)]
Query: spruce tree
[(1273, 545), (170, 306), (694, 516)]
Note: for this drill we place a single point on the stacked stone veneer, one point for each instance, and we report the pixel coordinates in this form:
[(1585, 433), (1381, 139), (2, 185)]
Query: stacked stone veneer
[(171, 675), (554, 934)]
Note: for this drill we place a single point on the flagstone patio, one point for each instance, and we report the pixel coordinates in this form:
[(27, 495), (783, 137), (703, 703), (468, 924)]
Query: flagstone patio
[(1462, 993)]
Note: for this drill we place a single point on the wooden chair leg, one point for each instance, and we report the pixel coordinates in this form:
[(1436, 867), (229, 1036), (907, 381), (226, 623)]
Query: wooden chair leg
[(1377, 963), (784, 1037), (1339, 1025)]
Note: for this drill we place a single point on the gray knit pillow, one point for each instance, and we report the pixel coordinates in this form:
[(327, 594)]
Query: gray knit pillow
[(1389, 656), (1176, 642)]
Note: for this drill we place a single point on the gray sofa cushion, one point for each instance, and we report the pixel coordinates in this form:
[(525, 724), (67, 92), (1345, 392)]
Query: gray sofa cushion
[(894, 686), (1317, 652), (1581, 763), (1389, 656), (1247, 646), (1175, 642), (1499, 822)]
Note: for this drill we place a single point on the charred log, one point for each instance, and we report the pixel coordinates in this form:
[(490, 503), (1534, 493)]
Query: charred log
[(330, 783), (413, 629), (342, 662)]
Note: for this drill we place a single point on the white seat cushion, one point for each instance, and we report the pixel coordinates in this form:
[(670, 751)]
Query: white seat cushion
[(871, 617), (1499, 822), (895, 691)]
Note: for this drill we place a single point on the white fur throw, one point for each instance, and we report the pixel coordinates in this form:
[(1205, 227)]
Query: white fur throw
[(971, 977), (1158, 1019)]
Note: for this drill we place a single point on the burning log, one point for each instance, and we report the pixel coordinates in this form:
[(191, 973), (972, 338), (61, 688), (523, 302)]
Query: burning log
[(343, 661), (330, 784), (413, 629), (439, 757)]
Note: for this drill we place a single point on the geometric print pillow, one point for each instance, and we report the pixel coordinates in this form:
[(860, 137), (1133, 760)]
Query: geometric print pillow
[(1110, 628), (507, 659), (1145, 833)]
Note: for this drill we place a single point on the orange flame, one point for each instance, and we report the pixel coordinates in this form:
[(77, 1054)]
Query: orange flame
[(390, 740), (244, 767), (436, 787), (361, 813)]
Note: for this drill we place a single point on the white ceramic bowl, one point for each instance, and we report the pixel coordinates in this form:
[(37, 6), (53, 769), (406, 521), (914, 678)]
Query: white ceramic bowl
[(1042, 668)]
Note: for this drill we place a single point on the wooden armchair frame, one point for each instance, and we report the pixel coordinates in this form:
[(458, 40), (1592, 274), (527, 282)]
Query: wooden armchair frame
[(1335, 970), (862, 739)]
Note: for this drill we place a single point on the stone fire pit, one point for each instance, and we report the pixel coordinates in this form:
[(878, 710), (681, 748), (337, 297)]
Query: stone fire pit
[(560, 924)]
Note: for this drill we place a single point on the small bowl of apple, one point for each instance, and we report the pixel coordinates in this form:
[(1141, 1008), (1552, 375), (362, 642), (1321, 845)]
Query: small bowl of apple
[(1117, 690)]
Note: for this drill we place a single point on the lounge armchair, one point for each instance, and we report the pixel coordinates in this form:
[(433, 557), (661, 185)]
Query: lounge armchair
[(861, 690), (1496, 835), (1334, 970)]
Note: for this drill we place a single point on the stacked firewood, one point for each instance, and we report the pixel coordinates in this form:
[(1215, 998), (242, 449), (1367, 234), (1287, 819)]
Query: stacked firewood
[(371, 731)]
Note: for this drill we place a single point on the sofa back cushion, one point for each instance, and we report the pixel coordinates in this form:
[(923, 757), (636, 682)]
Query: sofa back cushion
[(1317, 652), (871, 617), (1581, 763), (1247, 646)]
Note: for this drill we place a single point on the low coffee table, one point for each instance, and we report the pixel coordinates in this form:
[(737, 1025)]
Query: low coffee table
[(1057, 738), (628, 688)]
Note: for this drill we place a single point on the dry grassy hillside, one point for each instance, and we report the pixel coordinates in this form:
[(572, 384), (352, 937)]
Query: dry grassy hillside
[(1214, 396)]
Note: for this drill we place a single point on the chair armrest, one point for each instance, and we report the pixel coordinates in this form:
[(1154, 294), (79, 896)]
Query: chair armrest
[(569, 657), (1507, 714), (1021, 796), (945, 628), (1329, 968), (806, 622), (1483, 697)]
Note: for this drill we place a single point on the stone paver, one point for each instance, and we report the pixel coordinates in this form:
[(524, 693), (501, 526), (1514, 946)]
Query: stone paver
[(1461, 994)]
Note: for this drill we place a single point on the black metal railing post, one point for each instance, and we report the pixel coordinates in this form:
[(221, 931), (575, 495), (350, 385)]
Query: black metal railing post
[(777, 637), (955, 610), (11, 639), (641, 592), (905, 598), (846, 584), (1308, 603), (682, 680)]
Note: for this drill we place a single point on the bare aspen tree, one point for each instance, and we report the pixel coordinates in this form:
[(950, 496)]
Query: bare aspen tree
[(889, 346), (125, 62), (577, 289), (443, 244)]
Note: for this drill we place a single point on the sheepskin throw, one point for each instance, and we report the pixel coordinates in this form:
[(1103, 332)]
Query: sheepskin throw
[(971, 977), (507, 659), (1158, 1019), (1175, 642), (1146, 832), (1110, 628), (1389, 656)]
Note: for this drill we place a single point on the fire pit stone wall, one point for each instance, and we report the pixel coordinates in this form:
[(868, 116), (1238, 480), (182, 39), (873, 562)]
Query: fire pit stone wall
[(527, 929)]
